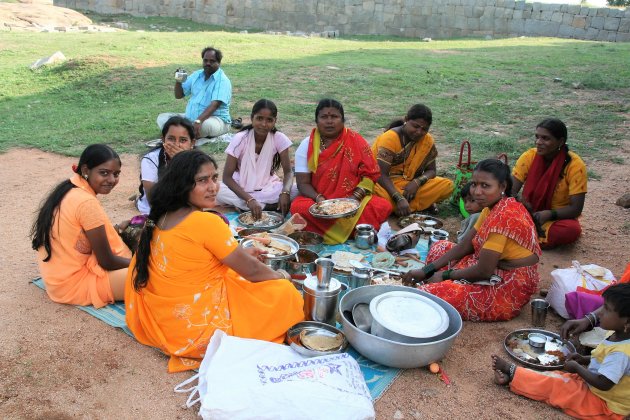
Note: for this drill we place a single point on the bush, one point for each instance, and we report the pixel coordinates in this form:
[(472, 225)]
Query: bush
[(618, 2)]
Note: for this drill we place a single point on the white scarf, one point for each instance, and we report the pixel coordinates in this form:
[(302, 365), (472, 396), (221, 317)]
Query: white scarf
[(255, 175)]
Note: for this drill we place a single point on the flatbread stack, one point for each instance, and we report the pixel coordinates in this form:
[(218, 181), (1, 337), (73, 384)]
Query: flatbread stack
[(342, 260), (295, 223), (320, 342), (269, 245)]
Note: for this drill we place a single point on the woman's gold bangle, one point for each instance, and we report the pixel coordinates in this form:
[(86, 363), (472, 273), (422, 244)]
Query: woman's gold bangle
[(286, 192), (247, 202), (319, 195)]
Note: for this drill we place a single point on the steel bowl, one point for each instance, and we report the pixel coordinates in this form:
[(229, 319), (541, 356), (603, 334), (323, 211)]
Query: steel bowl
[(298, 267), (308, 240), (392, 353), (250, 231)]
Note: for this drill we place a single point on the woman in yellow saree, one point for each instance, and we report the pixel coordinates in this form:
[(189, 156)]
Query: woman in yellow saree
[(406, 155)]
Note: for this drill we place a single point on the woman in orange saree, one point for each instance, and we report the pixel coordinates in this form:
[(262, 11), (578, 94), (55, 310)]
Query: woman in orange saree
[(336, 162), (406, 155), (554, 182), (189, 277), (495, 265)]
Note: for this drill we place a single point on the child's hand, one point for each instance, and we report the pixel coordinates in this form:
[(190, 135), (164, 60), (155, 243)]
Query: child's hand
[(583, 360), (572, 366)]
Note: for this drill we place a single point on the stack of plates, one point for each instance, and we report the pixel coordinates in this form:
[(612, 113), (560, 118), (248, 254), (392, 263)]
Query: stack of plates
[(407, 317)]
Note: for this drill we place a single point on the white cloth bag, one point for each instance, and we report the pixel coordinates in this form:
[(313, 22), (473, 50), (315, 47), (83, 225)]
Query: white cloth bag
[(566, 280), (252, 379)]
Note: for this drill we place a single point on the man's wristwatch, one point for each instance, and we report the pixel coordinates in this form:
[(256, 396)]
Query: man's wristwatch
[(197, 121)]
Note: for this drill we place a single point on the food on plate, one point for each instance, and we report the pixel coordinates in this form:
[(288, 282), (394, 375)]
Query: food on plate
[(320, 342), (552, 355), (267, 219), (342, 260), (334, 207), (269, 245)]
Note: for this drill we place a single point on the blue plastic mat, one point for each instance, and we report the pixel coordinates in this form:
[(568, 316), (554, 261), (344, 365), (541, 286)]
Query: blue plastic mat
[(377, 377)]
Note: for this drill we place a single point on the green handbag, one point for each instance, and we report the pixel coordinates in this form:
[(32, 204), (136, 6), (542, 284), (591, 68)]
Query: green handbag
[(463, 173)]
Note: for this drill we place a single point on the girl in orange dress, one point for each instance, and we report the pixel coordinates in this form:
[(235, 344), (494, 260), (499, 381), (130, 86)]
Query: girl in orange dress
[(495, 265), (82, 259), (189, 277)]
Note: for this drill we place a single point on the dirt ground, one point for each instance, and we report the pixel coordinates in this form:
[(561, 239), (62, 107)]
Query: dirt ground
[(58, 362)]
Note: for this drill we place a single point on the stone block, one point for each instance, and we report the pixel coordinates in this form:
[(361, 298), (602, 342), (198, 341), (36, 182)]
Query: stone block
[(518, 15), (567, 18), (622, 37), (591, 33), (574, 9), (501, 26), (556, 17), (545, 15), (565, 31), (579, 22), (509, 4), (459, 11), (536, 7), (624, 25), (602, 35), (486, 23), (603, 12), (488, 12), (459, 22), (592, 12), (611, 23), (368, 5), (563, 8), (472, 24), (516, 26), (579, 33), (597, 22)]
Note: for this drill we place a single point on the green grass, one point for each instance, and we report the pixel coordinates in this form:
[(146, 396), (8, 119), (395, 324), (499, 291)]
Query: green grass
[(491, 92)]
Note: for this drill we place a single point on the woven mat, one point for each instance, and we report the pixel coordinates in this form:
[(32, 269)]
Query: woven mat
[(377, 377)]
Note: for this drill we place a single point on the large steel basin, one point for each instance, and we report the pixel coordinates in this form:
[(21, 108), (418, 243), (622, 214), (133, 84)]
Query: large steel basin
[(392, 353)]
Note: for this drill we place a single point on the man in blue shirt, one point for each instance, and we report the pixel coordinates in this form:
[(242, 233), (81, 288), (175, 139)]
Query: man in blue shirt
[(210, 93)]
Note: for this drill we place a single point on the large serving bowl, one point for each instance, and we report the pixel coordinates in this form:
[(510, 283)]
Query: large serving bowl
[(392, 353)]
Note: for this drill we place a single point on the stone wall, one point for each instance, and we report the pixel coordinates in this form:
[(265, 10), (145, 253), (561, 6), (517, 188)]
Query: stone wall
[(408, 18)]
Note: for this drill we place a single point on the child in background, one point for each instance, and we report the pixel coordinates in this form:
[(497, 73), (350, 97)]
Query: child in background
[(473, 210), (600, 390)]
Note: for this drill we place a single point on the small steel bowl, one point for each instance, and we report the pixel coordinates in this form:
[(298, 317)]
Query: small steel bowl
[(243, 233), (537, 340)]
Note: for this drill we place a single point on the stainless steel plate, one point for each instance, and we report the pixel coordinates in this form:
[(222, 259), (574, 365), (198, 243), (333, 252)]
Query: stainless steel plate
[(319, 209), (316, 328), (521, 336), (154, 143), (423, 220), (272, 220), (248, 243)]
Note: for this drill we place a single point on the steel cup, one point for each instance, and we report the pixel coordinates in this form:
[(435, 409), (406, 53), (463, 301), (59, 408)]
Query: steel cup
[(324, 272), (539, 312)]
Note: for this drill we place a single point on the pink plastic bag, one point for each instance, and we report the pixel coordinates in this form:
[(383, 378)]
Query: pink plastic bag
[(579, 303)]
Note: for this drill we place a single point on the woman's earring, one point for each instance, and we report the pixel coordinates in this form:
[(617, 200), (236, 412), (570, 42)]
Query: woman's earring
[(85, 177), (502, 193)]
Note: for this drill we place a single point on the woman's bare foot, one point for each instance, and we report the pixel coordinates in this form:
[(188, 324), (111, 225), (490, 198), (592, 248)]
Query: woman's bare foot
[(501, 370)]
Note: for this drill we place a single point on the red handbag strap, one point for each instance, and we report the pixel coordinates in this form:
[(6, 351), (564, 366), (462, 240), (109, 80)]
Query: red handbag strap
[(461, 153), (503, 157)]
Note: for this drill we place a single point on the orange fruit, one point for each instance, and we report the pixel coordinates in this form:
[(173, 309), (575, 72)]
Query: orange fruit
[(434, 368)]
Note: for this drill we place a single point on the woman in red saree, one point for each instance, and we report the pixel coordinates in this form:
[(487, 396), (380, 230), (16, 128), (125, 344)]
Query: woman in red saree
[(336, 162), (554, 184), (492, 272)]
